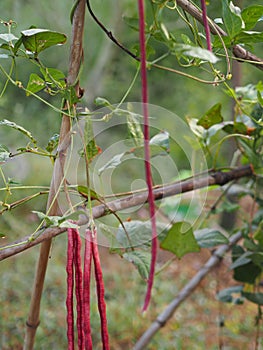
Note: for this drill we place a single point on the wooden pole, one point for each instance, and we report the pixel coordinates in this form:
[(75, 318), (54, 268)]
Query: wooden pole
[(76, 56)]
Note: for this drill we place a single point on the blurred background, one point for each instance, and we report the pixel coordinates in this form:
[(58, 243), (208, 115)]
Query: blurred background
[(108, 73)]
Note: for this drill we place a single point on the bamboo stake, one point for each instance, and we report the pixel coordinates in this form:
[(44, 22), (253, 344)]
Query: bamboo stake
[(76, 55), (217, 178)]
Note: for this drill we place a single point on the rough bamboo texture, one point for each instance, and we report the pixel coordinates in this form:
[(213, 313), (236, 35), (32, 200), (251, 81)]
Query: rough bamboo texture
[(76, 55), (217, 178)]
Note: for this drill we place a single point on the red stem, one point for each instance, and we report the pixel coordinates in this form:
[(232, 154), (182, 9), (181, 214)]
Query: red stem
[(79, 287), (100, 291), (86, 290), (70, 287), (148, 174), (206, 26)]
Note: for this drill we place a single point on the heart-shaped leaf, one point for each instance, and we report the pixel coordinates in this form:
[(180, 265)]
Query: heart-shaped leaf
[(180, 239), (36, 40), (211, 117)]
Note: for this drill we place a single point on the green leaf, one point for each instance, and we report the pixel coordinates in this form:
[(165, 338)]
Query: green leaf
[(5, 46), (227, 295), (232, 21), (2, 235), (211, 117), (139, 232), (54, 77), (67, 224), (85, 192), (71, 96), (59, 221), (19, 128), (208, 238), (8, 37), (112, 163), (100, 101), (134, 127), (244, 269), (252, 156), (180, 240), (258, 234), (17, 45), (92, 150), (132, 22), (110, 234), (256, 298), (141, 260), (257, 258), (164, 31), (217, 42), (50, 220), (35, 84), (196, 52), (227, 206), (159, 145), (155, 151), (235, 127), (251, 15), (4, 154), (36, 40), (149, 50), (249, 37), (161, 139), (198, 130), (52, 143), (248, 91), (242, 260)]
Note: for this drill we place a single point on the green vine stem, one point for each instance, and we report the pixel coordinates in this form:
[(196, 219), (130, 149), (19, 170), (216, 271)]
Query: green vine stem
[(20, 85), (222, 141)]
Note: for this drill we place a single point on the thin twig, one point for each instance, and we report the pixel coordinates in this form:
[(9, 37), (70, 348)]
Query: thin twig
[(218, 178), (188, 289)]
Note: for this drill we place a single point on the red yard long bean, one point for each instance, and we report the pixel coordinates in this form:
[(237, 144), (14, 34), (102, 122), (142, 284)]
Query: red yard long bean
[(82, 289), (70, 288), (206, 26), (86, 290), (79, 287), (100, 290)]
